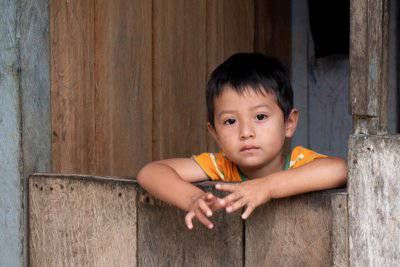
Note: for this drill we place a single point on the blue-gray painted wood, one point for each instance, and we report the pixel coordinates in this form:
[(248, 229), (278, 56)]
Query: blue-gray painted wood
[(329, 118), (300, 32), (25, 133)]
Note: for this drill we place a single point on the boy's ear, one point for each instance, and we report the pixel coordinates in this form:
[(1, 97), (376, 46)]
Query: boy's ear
[(291, 123)]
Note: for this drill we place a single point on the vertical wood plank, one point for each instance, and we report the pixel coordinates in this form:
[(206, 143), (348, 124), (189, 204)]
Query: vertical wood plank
[(123, 113), (101, 86), (374, 210), (164, 240), (369, 65), (297, 231), (25, 137), (273, 29), (82, 221), (179, 70), (72, 85), (230, 29)]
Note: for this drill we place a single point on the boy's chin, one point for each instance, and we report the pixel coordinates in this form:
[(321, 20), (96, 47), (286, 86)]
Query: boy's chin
[(251, 164)]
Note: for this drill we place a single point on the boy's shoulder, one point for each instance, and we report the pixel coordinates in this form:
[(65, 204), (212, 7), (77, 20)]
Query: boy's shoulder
[(218, 167), (301, 156)]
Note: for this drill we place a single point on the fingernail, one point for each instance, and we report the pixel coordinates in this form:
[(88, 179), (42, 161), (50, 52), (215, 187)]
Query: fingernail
[(228, 209), (209, 213), (190, 226), (210, 226), (217, 185), (243, 217)]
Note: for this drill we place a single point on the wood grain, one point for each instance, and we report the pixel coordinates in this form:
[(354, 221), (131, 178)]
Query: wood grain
[(123, 112), (297, 231), (369, 65), (273, 29), (164, 240), (374, 211), (101, 86), (102, 221), (72, 85), (179, 71), (81, 221)]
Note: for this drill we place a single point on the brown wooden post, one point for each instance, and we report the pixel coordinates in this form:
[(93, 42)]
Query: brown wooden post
[(373, 187)]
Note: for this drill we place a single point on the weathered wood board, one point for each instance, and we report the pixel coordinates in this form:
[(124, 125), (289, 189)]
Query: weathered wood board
[(306, 230), (164, 239), (98, 221), (369, 46), (25, 126), (374, 197), (81, 221)]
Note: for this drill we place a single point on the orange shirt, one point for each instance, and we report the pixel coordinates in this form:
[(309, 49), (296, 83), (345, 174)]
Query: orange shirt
[(219, 168)]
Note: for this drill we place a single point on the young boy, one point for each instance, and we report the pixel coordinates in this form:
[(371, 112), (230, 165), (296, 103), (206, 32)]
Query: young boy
[(250, 114)]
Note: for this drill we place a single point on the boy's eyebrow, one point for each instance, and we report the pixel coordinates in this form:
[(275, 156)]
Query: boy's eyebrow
[(261, 106)]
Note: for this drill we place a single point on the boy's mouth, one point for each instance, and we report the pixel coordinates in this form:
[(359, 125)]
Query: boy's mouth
[(248, 148)]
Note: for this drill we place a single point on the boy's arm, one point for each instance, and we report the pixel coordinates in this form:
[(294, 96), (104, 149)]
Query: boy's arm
[(320, 174), (170, 180), (323, 173)]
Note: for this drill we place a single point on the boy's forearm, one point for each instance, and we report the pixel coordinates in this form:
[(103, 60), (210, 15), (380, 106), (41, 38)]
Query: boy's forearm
[(164, 183), (318, 175)]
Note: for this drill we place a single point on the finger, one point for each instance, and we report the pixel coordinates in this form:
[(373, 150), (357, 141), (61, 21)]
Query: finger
[(204, 208), (231, 198), (188, 219), (236, 205), (226, 187), (210, 197), (247, 212), (203, 219)]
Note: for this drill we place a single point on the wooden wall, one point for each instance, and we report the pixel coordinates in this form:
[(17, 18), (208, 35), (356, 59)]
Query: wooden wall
[(128, 77)]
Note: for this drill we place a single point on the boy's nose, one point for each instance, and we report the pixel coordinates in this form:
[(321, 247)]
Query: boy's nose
[(247, 131)]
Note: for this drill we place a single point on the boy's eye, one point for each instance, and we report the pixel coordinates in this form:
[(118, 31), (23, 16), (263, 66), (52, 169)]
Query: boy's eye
[(261, 117), (229, 121)]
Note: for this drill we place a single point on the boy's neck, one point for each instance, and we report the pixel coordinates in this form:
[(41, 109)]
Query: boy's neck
[(276, 165)]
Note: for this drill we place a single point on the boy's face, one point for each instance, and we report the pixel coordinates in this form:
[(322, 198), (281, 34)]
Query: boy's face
[(250, 128)]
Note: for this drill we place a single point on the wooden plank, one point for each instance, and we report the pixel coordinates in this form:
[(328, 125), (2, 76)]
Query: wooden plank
[(299, 69), (123, 74), (81, 221), (230, 29), (164, 240), (24, 117), (72, 85), (179, 71), (368, 65), (305, 230), (374, 210), (273, 29), (328, 99)]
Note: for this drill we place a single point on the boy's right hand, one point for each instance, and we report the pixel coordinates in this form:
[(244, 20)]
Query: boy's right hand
[(201, 208)]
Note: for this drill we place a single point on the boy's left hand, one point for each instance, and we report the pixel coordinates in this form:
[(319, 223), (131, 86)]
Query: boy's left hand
[(249, 193)]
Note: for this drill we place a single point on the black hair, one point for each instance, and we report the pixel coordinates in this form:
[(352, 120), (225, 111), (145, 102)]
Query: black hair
[(243, 71)]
